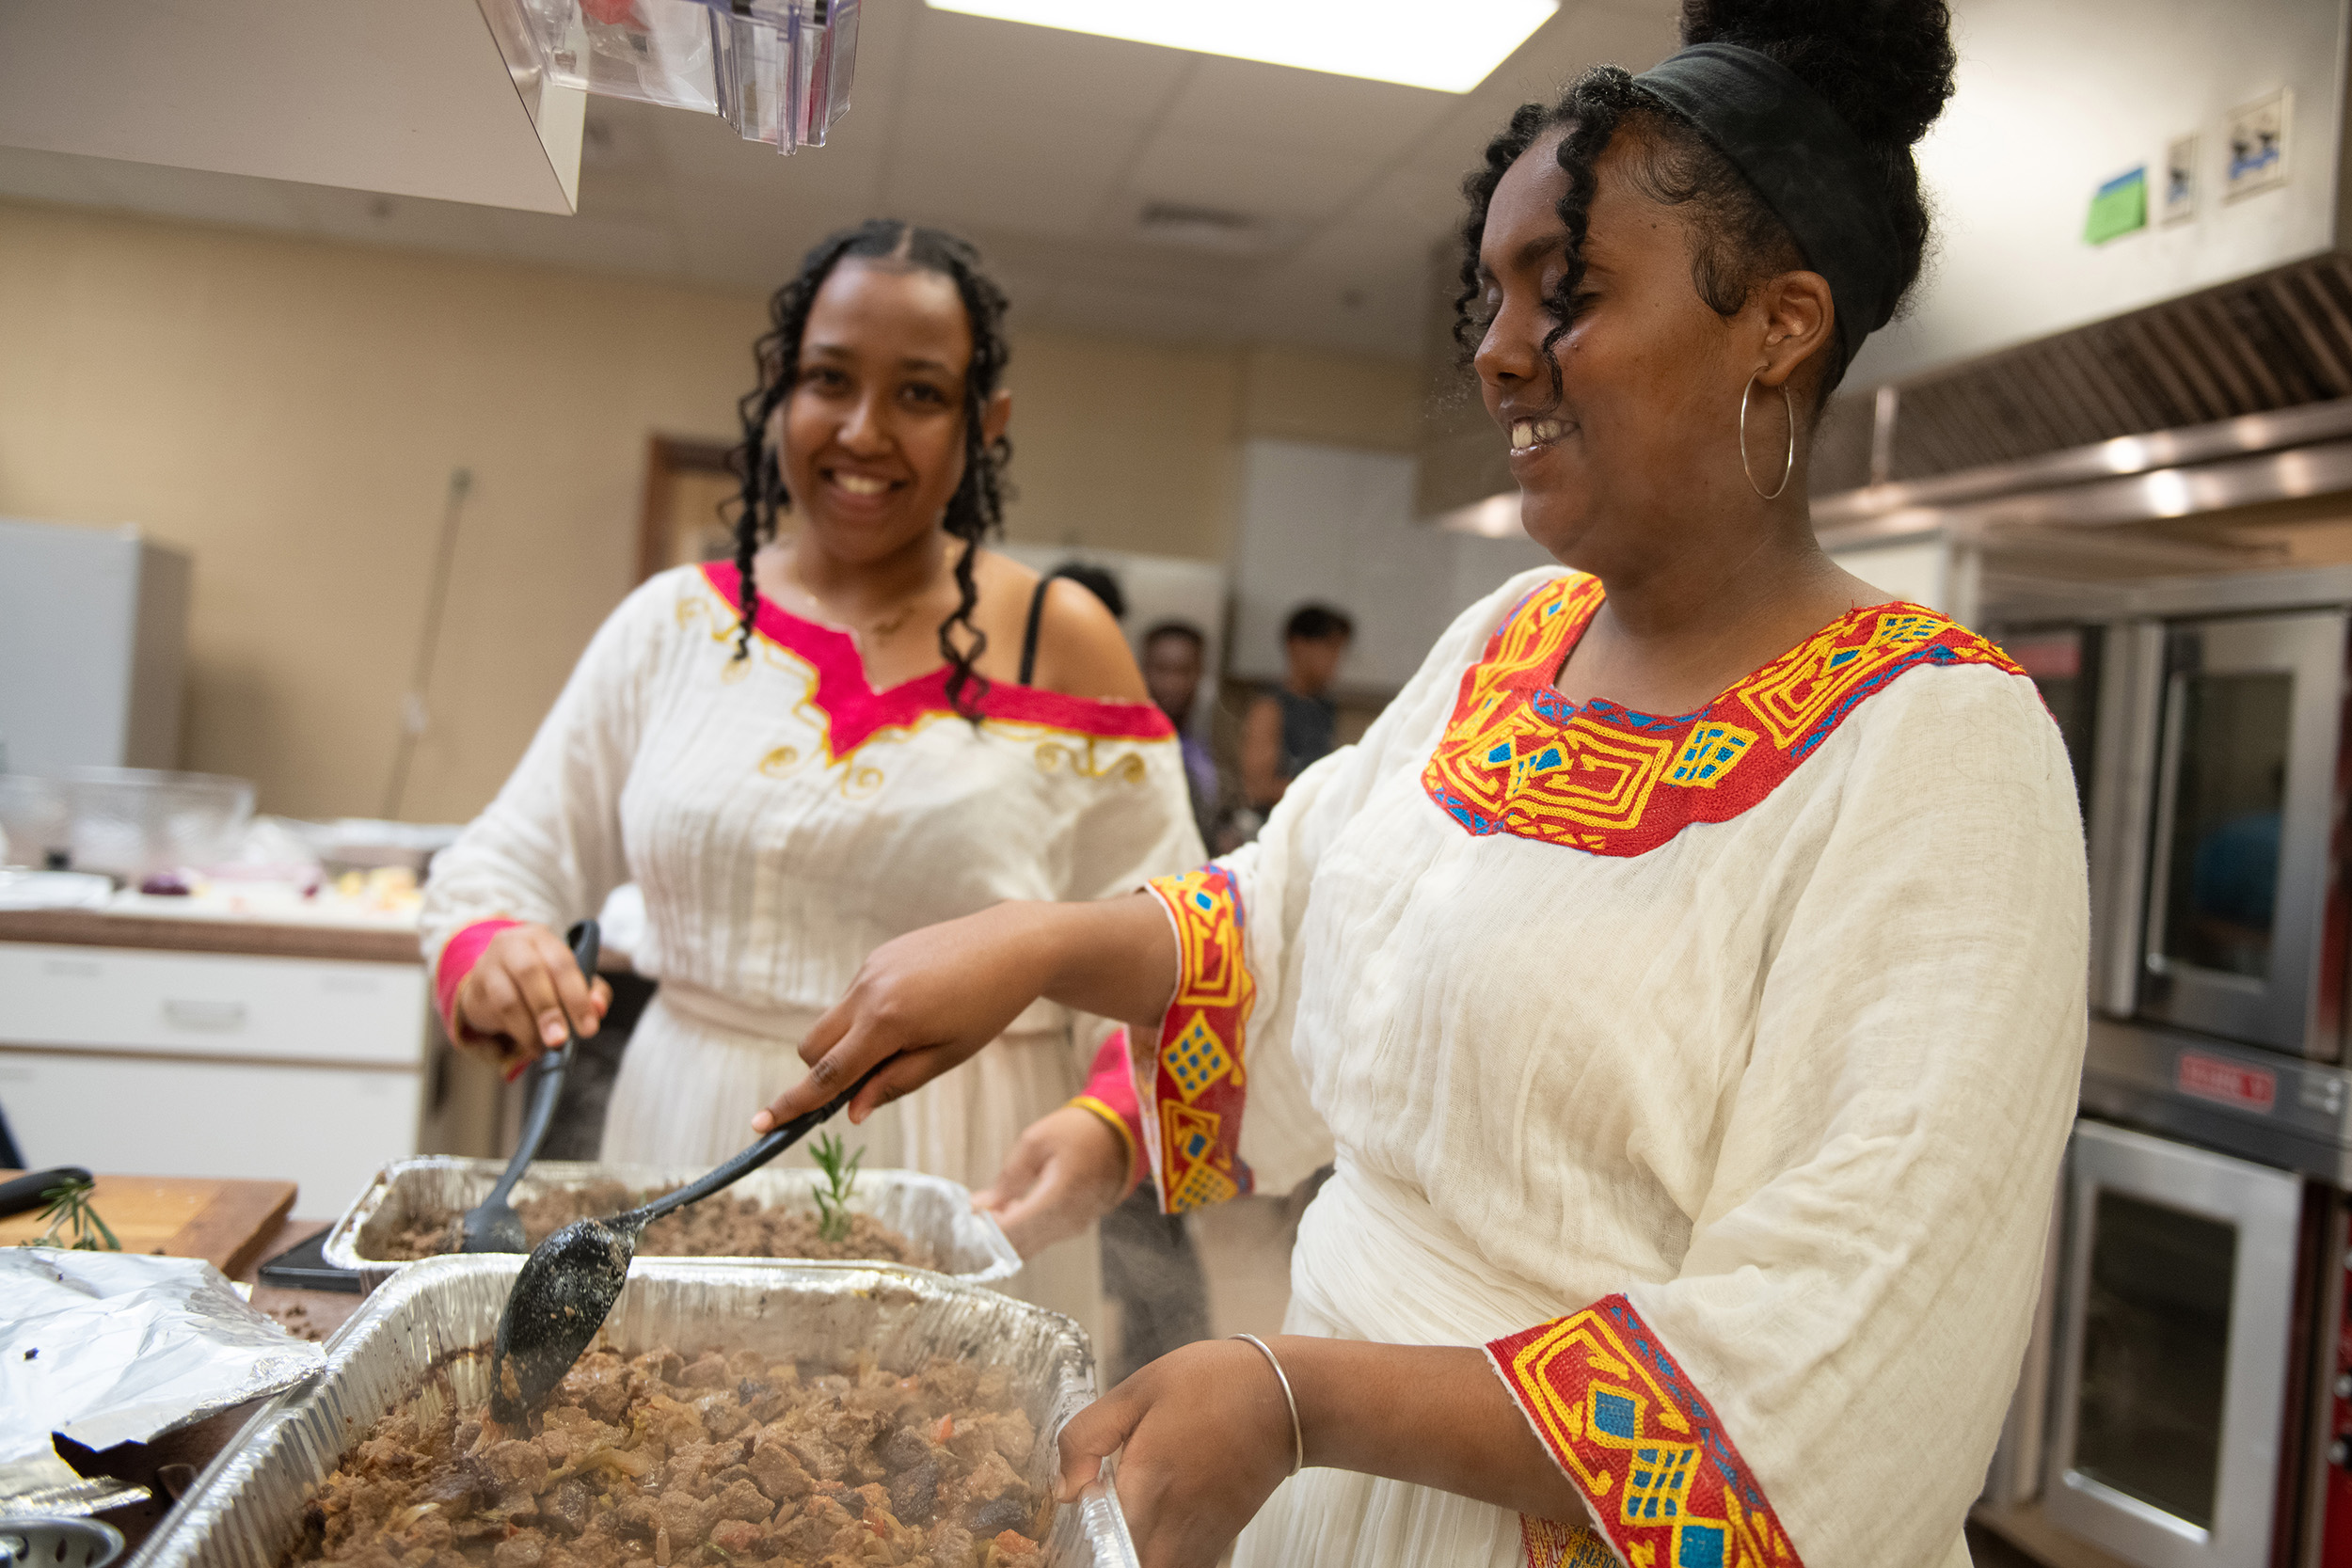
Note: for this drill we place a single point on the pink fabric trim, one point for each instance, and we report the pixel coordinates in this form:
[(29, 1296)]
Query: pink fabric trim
[(1111, 1082), (855, 712), (458, 957)]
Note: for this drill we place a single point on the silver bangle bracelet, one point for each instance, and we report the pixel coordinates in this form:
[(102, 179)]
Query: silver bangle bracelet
[(1298, 1436)]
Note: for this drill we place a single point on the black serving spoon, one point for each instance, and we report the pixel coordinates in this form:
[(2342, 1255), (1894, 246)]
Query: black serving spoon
[(568, 1284), (492, 1224)]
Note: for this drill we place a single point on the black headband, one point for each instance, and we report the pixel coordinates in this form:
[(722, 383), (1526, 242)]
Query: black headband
[(1806, 163)]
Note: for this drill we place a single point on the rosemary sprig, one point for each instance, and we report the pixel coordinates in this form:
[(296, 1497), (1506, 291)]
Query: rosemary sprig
[(833, 1194), (71, 1211)]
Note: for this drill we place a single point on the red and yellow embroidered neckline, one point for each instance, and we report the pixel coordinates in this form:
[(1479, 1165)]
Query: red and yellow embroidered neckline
[(1517, 757), (854, 712)]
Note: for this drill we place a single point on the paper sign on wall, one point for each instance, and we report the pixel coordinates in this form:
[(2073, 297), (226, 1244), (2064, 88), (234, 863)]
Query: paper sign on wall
[(2120, 207)]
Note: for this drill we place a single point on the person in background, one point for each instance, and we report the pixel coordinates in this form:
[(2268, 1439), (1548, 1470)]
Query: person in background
[(1100, 581), (1174, 652), (864, 723), (1290, 727)]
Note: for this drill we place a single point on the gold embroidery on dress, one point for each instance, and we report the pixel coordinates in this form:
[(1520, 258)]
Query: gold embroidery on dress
[(1053, 755)]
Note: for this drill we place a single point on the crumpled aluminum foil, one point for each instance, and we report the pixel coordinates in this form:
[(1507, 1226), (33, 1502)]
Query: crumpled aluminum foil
[(439, 1316), (110, 1347), (932, 1211)]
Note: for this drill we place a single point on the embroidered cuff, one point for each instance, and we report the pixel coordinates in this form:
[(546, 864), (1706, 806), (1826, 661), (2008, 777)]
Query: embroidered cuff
[(1193, 1088), (1636, 1436), (458, 957)]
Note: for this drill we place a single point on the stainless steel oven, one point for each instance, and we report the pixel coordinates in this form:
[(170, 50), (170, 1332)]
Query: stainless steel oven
[(2177, 1387), (2243, 933)]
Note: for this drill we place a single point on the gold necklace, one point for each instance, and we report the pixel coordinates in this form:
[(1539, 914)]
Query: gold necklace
[(885, 628)]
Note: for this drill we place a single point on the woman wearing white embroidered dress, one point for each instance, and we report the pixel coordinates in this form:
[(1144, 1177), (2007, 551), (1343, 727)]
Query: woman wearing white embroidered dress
[(1698, 1081), (898, 728)]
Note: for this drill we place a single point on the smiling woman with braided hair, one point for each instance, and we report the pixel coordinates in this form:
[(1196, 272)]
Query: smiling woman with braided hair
[(866, 723), (1688, 964)]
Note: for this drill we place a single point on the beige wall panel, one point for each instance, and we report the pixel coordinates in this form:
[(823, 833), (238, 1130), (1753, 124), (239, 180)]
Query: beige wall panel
[(1343, 400), (1124, 445)]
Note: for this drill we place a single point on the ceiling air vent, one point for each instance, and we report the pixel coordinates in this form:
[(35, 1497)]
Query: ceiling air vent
[(1217, 228)]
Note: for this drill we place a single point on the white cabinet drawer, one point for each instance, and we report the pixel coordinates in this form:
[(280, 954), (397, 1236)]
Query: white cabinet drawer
[(327, 1129), (59, 997)]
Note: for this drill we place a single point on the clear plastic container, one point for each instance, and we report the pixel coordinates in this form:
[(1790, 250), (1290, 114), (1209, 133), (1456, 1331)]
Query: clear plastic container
[(778, 70), (134, 823)]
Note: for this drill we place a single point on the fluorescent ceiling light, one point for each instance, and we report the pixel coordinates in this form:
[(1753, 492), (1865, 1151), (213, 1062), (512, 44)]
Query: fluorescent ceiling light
[(1450, 47)]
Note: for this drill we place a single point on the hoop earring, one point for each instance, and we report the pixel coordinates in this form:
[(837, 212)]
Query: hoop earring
[(1788, 465)]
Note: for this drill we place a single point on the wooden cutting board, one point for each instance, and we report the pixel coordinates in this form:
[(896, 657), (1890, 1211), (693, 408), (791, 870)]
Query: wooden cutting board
[(182, 1216)]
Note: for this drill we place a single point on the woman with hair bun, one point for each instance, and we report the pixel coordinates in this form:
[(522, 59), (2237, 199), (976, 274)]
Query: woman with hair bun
[(866, 726), (1688, 964)]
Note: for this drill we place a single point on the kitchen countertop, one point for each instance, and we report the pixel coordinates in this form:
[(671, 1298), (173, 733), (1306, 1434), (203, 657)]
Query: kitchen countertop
[(326, 929)]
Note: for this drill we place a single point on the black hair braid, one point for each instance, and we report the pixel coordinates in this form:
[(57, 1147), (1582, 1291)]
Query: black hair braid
[(1885, 66), (976, 508)]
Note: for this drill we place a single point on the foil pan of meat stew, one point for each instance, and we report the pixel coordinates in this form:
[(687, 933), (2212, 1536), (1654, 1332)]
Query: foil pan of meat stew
[(931, 1211), (426, 1334)]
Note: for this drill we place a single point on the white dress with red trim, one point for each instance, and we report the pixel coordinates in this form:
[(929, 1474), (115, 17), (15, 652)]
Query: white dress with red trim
[(1711, 1072), (783, 818)]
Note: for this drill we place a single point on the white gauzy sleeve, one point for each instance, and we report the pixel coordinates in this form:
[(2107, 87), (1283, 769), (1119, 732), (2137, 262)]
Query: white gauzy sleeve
[(1825, 1377), (1237, 921), (547, 849)]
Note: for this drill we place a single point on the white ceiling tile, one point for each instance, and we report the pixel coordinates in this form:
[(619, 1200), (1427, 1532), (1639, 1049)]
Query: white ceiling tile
[(753, 249), (198, 194), (1636, 34), (621, 137), (1279, 106), (43, 176), (971, 64), (1044, 176), (639, 196), (1355, 283), (366, 217), (596, 245), (1267, 179)]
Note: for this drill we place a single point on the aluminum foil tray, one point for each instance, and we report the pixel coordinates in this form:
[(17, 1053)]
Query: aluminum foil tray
[(928, 1209), (441, 1315)]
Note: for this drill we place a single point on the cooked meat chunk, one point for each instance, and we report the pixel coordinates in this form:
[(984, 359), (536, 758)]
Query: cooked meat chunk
[(666, 1461), (525, 1550), (715, 1228), (516, 1462), (565, 1511), (777, 1473)]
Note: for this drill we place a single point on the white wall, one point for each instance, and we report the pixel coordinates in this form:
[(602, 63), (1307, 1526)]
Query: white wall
[(1336, 524)]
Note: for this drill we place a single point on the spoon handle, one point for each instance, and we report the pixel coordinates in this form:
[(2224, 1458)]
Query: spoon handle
[(767, 1147), (547, 1073)]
